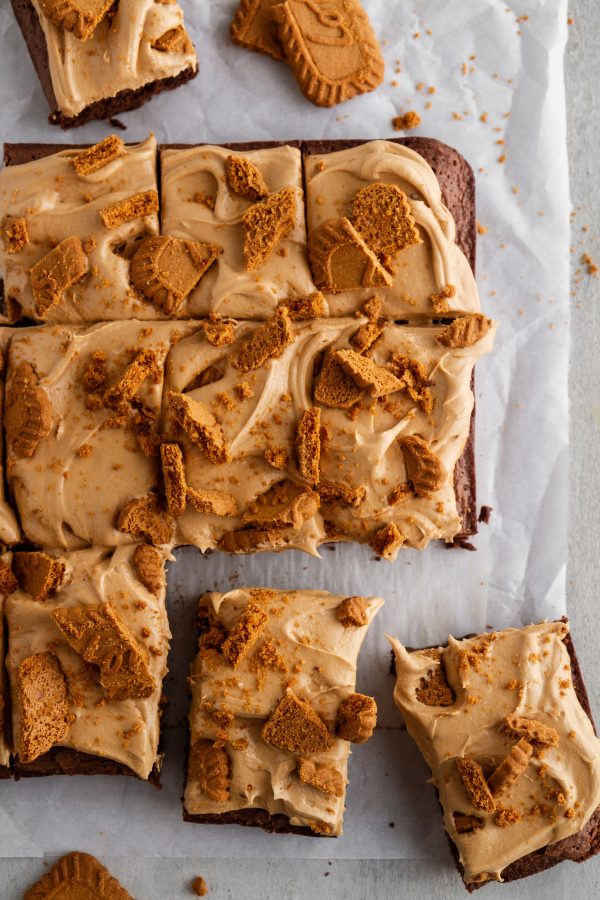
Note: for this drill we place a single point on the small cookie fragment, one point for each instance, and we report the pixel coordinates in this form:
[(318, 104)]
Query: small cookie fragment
[(465, 331), (406, 122), (383, 217), (341, 260), (201, 427), (253, 27), (41, 706), (39, 574), (285, 505), (473, 779), (511, 768), (244, 633), (199, 886), (400, 492), (295, 726), (143, 517), (321, 776), (27, 413), (532, 730), (175, 40), (277, 457), (378, 381), (15, 233), (244, 178), (465, 824), (149, 568), (308, 444), (352, 612), (77, 876), (356, 718), (300, 309), (56, 272), (364, 338), (434, 689), (415, 380), (423, 468), (386, 541), (218, 333), (173, 472), (101, 637), (98, 156), (338, 493), (167, 269), (335, 388), (132, 379), (138, 206), (251, 539), (440, 301), (266, 224), (216, 503), (80, 17), (210, 768), (95, 374), (268, 341)]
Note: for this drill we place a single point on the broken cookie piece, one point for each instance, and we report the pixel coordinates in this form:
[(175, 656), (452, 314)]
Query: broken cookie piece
[(465, 331), (138, 206), (217, 332), (386, 541), (143, 517), (322, 777), (268, 341), (352, 612), (302, 308), (77, 876), (341, 260), (244, 178), (285, 505), (375, 379), (41, 711), (295, 726), (266, 224), (308, 444), (80, 17), (132, 379), (244, 634), (165, 269), (200, 426), (210, 769), (148, 565), (56, 272), (27, 413), (424, 469), (216, 503), (94, 158), (356, 719), (15, 233), (382, 216), (39, 574), (173, 472)]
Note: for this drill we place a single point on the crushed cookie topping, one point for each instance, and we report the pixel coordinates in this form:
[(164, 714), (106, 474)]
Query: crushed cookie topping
[(80, 19), (533, 731), (106, 151), (338, 493), (363, 339), (473, 779), (335, 388), (15, 234), (323, 777), (201, 427), (440, 301), (423, 468), (138, 206), (386, 541), (56, 272), (174, 480), (383, 217), (284, 505), (175, 40), (268, 341), (301, 309), (216, 503), (132, 379), (356, 718), (341, 260), (277, 457), (28, 411), (433, 689), (367, 375), (39, 574), (266, 224), (245, 633), (352, 612), (415, 381), (465, 331), (400, 492), (210, 768), (42, 705), (308, 444), (165, 270), (217, 332), (511, 768), (296, 727), (144, 518), (148, 566), (244, 178)]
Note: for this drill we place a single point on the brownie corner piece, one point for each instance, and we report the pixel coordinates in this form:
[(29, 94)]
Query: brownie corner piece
[(504, 722)]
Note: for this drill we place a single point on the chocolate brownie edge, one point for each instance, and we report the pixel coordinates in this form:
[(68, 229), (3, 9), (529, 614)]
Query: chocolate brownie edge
[(66, 761)]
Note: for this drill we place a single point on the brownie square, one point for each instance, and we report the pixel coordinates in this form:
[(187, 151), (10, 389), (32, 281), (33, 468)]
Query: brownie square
[(139, 49), (504, 722), (274, 708), (88, 639)]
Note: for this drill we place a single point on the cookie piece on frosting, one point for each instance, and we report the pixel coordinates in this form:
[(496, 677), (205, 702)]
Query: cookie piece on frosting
[(511, 746), (254, 729), (80, 17)]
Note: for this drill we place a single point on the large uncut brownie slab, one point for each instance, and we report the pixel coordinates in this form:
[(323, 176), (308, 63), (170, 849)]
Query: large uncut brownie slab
[(504, 722), (138, 49), (274, 709), (88, 639)]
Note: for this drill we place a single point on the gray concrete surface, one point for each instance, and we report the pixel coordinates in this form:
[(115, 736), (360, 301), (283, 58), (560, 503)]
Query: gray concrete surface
[(152, 879)]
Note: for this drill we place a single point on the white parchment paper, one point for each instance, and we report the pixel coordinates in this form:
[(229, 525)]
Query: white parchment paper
[(502, 61)]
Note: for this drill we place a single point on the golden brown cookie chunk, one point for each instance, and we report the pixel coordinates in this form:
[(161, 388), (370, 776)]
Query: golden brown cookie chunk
[(56, 272), (285, 505), (28, 413), (201, 427), (341, 261), (423, 468), (8, 582), (277, 457), (379, 382), (80, 17), (382, 216), (101, 637), (352, 612), (465, 331), (511, 768), (308, 444), (38, 574), (144, 518), (77, 876), (324, 778), (41, 706), (175, 40), (473, 779), (302, 308), (173, 471), (244, 178), (366, 336), (535, 732), (166, 269), (266, 224), (295, 726), (335, 388), (218, 333), (251, 539), (268, 341), (466, 824), (216, 503), (440, 301), (209, 767), (338, 493), (132, 379), (331, 48), (244, 633), (135, 207), (98, 156), (253, 27), (15, 234), (149, 567), (96, 372), (415, 380), (199, 886), (387, 541), (356, 719), (400, 492), (434, 689)]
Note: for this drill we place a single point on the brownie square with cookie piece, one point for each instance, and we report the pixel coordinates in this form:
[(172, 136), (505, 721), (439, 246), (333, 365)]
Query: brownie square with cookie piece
[(274, 708), (88, 639), (504, 723), (97, 60)]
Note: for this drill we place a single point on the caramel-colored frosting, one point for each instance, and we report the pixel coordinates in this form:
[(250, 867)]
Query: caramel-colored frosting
[(118, 57), (123, 730), (332, 180), (228, 288), (70, 492), (317, 660), (259, 411), (57, 203), (10, 532), (4, 748), (520, 671)]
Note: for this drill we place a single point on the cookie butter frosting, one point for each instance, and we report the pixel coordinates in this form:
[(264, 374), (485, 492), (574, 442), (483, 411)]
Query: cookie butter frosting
[(519, 672), (123, 730), (119, 56), (57, 203), (216, 217), (303, 646), (422, 270)]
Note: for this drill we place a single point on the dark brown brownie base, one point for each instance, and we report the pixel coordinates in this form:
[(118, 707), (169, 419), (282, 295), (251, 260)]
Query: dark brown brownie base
[(107, 108), (254, 818), (65, 761), (5, 773)]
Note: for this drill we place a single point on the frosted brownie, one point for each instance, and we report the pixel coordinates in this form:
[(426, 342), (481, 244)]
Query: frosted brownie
[(303, 430), (377, 219), (504, 723), (97, 59), (88, 639), (250, 202), (81, 424), (274, 708)]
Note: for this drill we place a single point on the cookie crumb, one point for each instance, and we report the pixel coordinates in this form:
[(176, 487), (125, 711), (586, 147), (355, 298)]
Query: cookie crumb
[(407, 122)]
